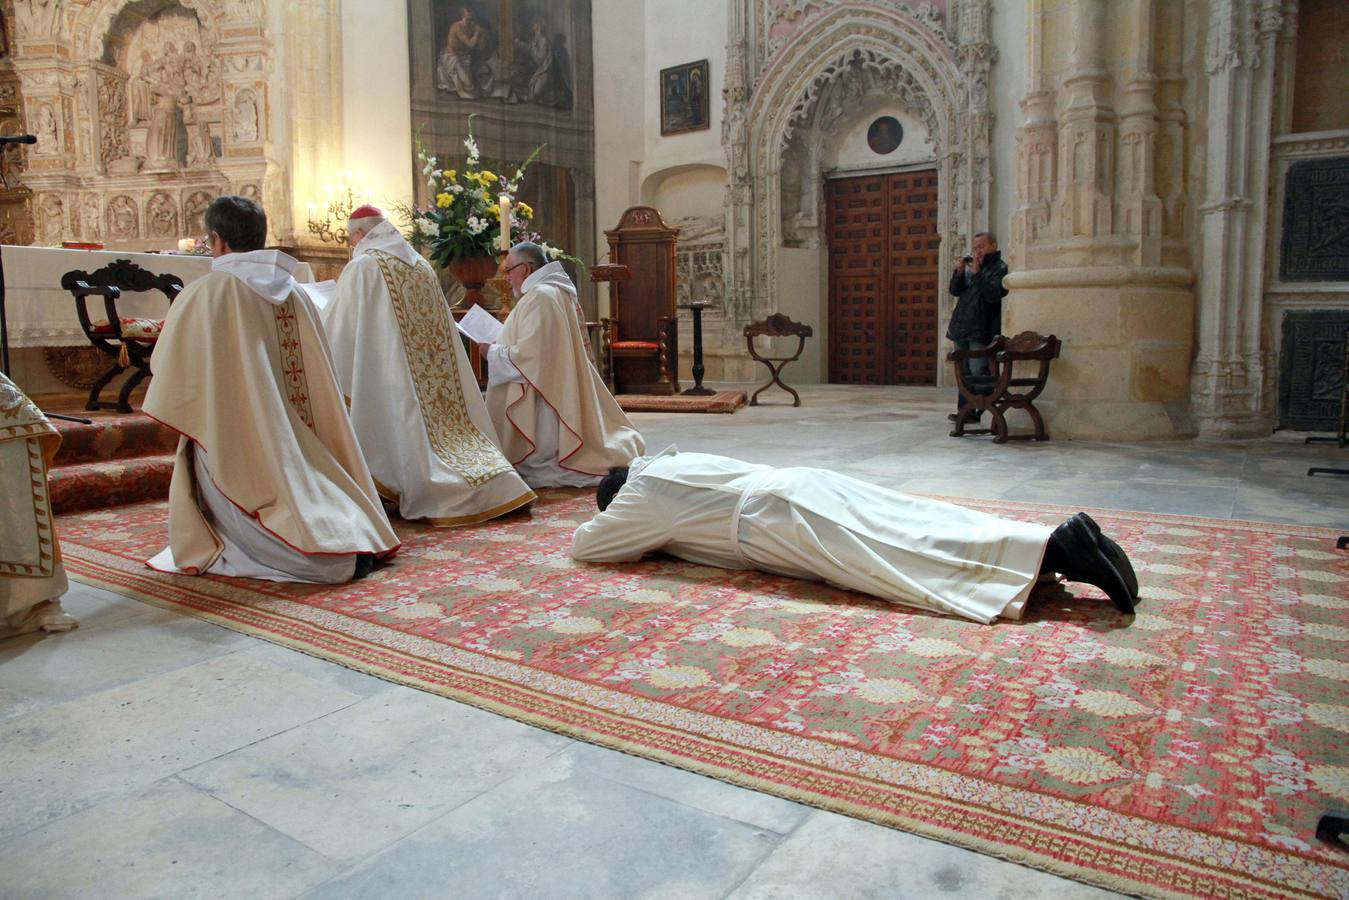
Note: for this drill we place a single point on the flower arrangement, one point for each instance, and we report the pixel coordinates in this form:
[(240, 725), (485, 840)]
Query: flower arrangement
[(463, 217)]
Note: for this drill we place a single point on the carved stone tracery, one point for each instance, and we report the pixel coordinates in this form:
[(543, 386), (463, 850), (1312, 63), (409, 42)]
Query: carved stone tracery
[(814, 63)]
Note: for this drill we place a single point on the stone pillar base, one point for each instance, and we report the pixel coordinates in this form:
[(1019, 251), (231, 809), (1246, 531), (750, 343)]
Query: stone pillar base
[(1128, 339)]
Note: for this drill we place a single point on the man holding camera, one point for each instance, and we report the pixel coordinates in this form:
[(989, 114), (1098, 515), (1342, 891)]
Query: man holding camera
[(977, 319)]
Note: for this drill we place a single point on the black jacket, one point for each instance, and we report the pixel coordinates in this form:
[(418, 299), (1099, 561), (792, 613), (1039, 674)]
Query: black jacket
[(978, 312)]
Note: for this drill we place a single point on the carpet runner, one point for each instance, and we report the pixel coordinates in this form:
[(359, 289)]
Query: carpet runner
[(120, 458), (720, 402), (1187, 751)]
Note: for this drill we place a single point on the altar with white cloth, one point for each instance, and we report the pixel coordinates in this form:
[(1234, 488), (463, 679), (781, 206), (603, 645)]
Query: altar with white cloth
[(42, 314)]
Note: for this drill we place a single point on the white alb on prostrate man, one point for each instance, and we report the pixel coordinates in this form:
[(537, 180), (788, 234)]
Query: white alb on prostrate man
[(416, 408), (269, 481), (821, 525), (557, 421)]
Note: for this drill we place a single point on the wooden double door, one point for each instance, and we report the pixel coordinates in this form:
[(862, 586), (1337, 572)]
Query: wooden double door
[(883, 291)]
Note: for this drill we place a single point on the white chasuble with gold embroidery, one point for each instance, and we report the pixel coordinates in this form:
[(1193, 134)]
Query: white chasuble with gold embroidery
[(415, 405), (32, 578), (243, 372), (823, 526)]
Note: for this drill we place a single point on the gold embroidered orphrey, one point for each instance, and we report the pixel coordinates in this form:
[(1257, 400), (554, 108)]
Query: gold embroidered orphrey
[(292, 362), (20, 420), (424, 323)]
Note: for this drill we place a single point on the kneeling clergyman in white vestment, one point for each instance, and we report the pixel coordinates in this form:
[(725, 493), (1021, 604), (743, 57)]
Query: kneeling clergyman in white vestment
[(557, 422), (822, 526), (32, 578), (269, 481), (416, 408)]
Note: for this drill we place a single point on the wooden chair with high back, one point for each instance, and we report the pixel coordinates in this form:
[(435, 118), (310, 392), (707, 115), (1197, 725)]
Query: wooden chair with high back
[(127, 339), (644, 328)]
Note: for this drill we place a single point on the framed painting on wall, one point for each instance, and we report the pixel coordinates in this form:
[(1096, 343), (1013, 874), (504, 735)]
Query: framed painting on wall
[(683, 98)]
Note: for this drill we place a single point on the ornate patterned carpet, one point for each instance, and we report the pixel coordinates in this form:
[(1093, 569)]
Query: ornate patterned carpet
[(1188, 752), (119, 458)]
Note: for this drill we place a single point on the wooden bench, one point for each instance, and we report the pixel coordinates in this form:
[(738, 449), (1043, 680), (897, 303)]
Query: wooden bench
[(127, 339), (776, 325), (1005, 389)]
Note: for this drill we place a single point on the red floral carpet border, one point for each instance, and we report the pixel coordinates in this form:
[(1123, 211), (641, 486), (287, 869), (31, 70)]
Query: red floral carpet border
[(1186, 752)]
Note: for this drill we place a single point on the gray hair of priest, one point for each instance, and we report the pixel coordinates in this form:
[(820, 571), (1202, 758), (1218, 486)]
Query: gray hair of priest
[(530, 252)]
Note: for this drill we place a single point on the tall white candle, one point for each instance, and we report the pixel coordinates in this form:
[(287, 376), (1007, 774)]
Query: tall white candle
[(505, 202)]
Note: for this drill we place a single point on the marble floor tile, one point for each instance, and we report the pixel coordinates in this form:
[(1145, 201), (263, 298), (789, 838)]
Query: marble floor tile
[(350, 783), (699, 791), (841, 858), (171, 841), (68, 756), (563, 831), (62, 666)]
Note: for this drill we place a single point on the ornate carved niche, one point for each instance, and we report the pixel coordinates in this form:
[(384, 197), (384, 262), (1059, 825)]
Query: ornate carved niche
[(160, 93)]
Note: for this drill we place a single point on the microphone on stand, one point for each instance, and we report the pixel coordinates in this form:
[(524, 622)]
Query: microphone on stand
[(18, 139)]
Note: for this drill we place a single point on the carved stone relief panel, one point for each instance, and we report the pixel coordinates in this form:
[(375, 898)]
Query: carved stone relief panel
[(123, 218), (699, 262), (51, 221), (161, 216), (170, 71), (244, 118), (194, 212)]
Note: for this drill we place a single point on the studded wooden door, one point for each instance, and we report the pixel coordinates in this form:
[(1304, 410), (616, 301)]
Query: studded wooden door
[(883, 246)]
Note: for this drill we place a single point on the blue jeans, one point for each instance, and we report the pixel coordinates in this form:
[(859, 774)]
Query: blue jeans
[(974, 368)]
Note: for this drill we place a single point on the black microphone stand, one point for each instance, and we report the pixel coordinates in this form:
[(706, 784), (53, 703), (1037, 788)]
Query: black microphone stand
[(4, 318)]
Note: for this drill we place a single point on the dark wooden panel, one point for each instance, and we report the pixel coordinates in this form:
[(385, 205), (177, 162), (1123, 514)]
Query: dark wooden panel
[(881, 232)]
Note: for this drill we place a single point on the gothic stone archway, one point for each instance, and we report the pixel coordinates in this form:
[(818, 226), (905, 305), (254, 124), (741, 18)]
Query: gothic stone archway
[(942, 80)]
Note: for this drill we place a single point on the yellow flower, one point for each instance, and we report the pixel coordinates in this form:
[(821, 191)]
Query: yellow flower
[(444, 199), (493, 210), (449, 174), (524, 210), (487, 177)]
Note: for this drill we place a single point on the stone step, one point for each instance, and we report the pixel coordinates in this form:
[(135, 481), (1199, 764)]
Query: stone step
[(96, 485), (113, 436)]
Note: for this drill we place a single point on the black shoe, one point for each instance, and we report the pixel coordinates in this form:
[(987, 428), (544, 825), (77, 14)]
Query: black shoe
[(365, 564), (972, 416), (1115, 553), (1078, 557)]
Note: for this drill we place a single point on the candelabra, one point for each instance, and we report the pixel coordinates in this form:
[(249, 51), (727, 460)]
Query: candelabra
[(333, 226)]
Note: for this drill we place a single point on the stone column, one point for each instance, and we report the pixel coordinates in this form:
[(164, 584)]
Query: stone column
[(1229, 366), (739, 200), (1036, 150), (313, 112), (1089, 228)]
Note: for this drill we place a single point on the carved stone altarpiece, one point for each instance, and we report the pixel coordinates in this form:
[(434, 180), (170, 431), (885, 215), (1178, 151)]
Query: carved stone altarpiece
[(144, 111)]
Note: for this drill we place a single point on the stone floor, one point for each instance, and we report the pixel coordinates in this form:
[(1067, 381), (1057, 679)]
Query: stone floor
[(148, 754)]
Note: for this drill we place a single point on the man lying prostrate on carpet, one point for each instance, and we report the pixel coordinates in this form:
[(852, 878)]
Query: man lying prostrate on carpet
[(557, 422), (823, 526), (269, 481)]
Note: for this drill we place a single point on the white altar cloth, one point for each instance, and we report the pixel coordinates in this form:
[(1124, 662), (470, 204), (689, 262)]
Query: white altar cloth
[(41, 314)]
